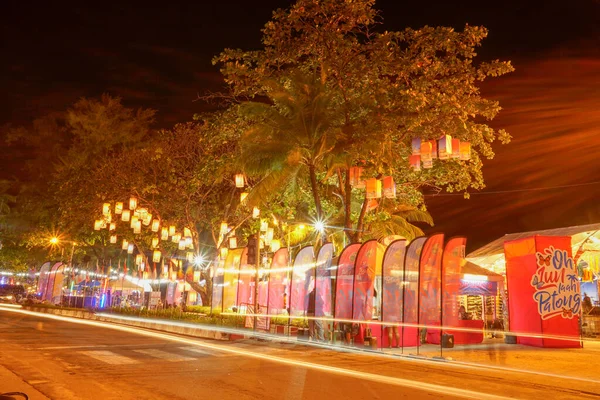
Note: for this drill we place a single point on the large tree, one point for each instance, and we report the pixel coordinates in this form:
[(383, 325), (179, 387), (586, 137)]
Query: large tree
[(382, 88)]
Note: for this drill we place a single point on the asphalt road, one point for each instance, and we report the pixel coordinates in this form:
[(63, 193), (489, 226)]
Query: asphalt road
[(86, 360)]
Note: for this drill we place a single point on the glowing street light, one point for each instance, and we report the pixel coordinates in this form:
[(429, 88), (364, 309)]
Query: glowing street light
[(54, 240)]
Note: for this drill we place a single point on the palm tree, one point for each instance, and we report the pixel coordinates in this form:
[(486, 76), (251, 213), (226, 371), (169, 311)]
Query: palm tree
[(290, 136)]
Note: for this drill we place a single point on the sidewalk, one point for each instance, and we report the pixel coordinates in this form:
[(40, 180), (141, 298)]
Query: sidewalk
[(9, 382)]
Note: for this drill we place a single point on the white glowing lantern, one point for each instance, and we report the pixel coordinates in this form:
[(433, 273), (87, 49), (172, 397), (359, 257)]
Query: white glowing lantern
[(239, 180), (106, 209), (172, 230), (154, 242), (97, 225), (156, 255), (118, 207), (175, 238), (126, 215), (182, 244), (139, 259), (155, 225), (275, 245), (147, 219), (137, 228), (264, 225), (189, 243), (224, 251), (134, 220), (125, 245), (113, 239), (269, 236), (130, 248), (112, 226), (187, 232), (243, 196), (164, 234), (133, 203), (255, 212), (224, 228), (233, 242)]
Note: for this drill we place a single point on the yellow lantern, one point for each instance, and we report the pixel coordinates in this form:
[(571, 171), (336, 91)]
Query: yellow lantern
[(130, 248), (224, 228), (113, 239), (139, 259), (187, 232), (97, 225), (105, 208), (164, 234), (182, 244), (137, 228), (154, 242), (126, 215), (172, 230), (156, 256), (233, 242), (275, 245), (112, 226), (147, 218), (125, 245), (133, 203), (119, 207), (239, 180), (255, 212), (155, 225), (176, 237), (243, 196), (373, 188)]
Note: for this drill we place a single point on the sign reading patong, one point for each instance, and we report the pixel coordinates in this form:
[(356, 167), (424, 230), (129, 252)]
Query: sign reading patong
[(556, 283)]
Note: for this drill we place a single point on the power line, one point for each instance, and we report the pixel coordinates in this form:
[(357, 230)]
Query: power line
[(517, 190)]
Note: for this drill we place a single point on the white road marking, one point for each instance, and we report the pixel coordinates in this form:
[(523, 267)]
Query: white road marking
[(109, 357), (163, 355)]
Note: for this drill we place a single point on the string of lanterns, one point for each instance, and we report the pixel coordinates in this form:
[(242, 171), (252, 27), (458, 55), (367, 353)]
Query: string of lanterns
[(424, 151)]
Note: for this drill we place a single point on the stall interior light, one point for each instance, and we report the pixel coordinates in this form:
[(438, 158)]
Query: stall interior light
[(471, 277)]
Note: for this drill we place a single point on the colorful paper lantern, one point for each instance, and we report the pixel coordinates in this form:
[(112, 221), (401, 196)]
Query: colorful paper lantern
[(415, 162), (164, 234), (189, 242), (156, 255), (187, 232), (373, 188), (133, 203), (465, 151), (434, 148), (147, 219), (137, 227), (255, 212), (125, 245), (445, 147), (112, 226), (113, 239), (155, 242), (106, 209), (126, 215), (175, 238), (97, 225), (389, 187), (139, 259), (130, 248), (456, 148), (356, 180), (118, 207), (416, 146), (172, 230), (239, 180), (233, 242)]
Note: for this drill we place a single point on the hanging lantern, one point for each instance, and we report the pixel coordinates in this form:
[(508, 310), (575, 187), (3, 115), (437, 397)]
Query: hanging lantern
[(137, 213), (189, 243), (224, 228), (125, 245), (164, 234), (269, 236), (147, 219), (239, 180), (155, 225), (264, 225), (112, 226), (275, 245), (255, 212), (389, 187), (356, 180), (113, 239), (134, 220), (243, 196), (118, 207), (434, 148), (137, 228), (175, 238), (126, 215), (139, 259), (106, 209), (181, 244), (154, 242), (133, 203), (415, 162), (445, 147), (172, 230), (97, 225), (456, 148), (223, 252), (187, 232), (156, 255), (373, 188), (465, 151), (426, 152), (130, 248), (233, 242), (189, 256), (196, 276), (416, 146)]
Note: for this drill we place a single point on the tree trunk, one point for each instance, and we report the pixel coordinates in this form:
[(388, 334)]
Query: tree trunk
[(315, 189), (361, 221)]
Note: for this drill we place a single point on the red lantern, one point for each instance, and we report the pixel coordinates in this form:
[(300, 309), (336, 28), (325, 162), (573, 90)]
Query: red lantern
[(373, 188), (389, 187), (415, 162), (456, 148), (465, 151), (355, 177)]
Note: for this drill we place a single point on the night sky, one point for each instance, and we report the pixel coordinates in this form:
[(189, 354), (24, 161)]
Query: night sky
[(157, 55)]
